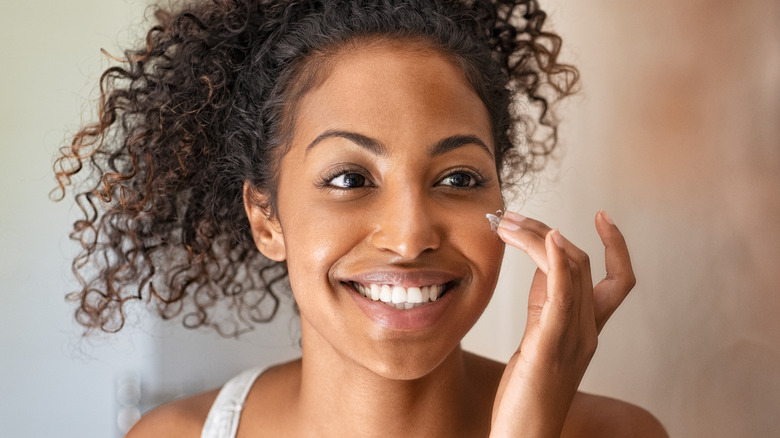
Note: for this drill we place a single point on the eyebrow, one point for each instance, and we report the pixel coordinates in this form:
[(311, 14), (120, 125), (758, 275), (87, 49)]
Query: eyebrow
[(368, 143), (377, 148), (450, 143)]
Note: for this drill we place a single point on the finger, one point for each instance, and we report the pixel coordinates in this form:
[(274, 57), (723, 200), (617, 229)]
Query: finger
[(539, 228), (514, 232), (537, 298), (582, 282), (528, 235), (560, 306), (620, 279), (526, 228)]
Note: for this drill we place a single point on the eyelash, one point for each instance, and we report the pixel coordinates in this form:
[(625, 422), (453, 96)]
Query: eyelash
[(479, 180), (326, 181)]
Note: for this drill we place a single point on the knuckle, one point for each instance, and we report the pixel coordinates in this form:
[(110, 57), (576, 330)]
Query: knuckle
[(574, 267), (629, 281), (582, 258), (625, 281), (535, 310)]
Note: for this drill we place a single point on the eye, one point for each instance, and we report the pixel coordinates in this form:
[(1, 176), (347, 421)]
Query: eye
[(348, 180), (344, 177), (460, 179)]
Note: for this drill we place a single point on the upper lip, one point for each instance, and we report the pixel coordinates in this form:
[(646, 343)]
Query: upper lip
[(405, 278)]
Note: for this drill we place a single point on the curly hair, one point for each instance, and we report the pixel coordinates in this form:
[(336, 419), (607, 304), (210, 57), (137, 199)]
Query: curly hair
[(208, 104)]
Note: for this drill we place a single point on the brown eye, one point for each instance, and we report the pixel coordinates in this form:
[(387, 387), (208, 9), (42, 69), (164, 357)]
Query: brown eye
[(459, 179), (348, 181)]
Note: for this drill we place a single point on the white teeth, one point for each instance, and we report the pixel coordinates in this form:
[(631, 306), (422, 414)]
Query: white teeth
[(386, 294), (435, 291), (400, 297), (414, 295)]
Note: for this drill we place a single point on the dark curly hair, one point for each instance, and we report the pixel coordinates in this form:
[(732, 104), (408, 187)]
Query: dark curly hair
[(208, 104)]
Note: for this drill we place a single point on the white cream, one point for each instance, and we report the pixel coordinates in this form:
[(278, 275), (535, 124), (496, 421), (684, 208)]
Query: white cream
[(494, 219), (400, 297)]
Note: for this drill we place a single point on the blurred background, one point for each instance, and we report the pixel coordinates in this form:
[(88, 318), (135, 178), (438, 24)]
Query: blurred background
[(676, 133)]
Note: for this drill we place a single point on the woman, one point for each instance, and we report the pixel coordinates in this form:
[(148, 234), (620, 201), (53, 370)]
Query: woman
[(360, 144)]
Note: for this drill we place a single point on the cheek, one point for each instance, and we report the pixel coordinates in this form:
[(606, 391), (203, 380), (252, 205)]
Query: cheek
[(310, 254), (481, 246), (315, 239)]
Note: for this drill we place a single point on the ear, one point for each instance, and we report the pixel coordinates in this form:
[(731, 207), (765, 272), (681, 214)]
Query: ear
[(266, 230)]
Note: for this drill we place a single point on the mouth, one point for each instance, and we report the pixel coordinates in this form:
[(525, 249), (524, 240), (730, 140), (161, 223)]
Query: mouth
[(401, 297)]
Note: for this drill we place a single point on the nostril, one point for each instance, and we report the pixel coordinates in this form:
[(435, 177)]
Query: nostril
[(408, 242), (406, 225)]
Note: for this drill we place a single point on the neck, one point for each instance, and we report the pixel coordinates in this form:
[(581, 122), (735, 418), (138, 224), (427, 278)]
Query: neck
[(341, 396)]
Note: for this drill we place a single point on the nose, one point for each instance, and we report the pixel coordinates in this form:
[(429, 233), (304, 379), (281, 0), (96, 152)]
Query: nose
[(406, 225)]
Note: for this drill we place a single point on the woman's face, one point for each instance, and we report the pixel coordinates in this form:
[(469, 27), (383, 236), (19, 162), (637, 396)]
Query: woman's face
[(382, 196)]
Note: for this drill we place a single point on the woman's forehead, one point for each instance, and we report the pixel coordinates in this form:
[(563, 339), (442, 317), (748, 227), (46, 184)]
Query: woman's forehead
[(393, 89)]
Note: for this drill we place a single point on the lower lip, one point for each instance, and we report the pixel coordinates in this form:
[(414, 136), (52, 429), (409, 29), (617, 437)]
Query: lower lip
[(419, 318)]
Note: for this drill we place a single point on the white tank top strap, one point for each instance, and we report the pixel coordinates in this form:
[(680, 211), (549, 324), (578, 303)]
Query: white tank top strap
[(225, 413)]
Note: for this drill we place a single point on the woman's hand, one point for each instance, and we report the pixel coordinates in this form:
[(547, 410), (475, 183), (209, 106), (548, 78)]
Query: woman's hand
[(565, 315)]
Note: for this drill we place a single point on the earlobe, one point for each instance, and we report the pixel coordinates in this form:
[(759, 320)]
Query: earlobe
[(266, 230)]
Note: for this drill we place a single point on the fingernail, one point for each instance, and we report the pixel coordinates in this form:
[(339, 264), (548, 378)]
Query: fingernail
[(508, 225), (607, 217), (557, 238), (514, 216)]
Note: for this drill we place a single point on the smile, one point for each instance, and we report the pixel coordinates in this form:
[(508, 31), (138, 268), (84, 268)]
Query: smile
[(400, 297)]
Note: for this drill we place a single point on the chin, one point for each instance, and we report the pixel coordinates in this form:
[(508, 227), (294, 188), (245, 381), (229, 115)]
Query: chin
[(410, 362)]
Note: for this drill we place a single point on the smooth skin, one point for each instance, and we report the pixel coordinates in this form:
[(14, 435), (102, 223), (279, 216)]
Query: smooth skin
[(389, 175)]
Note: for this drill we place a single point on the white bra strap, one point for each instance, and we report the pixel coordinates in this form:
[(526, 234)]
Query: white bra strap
[(223, 418)]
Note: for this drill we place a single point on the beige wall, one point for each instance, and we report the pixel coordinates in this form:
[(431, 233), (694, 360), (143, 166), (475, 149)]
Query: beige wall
[(677, 134)]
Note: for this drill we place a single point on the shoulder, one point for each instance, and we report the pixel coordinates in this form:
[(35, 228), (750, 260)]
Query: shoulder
[(589, 416), (597, 416), (183, 418)]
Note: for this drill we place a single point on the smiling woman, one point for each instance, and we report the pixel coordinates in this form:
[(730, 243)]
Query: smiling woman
[(353, 148)]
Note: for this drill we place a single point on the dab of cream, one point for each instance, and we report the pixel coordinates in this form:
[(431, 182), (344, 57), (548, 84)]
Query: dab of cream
[(494, 219)]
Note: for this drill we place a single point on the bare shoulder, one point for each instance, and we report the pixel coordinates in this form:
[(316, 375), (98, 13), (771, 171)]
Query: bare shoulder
[(596, 416), (183, 418)]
